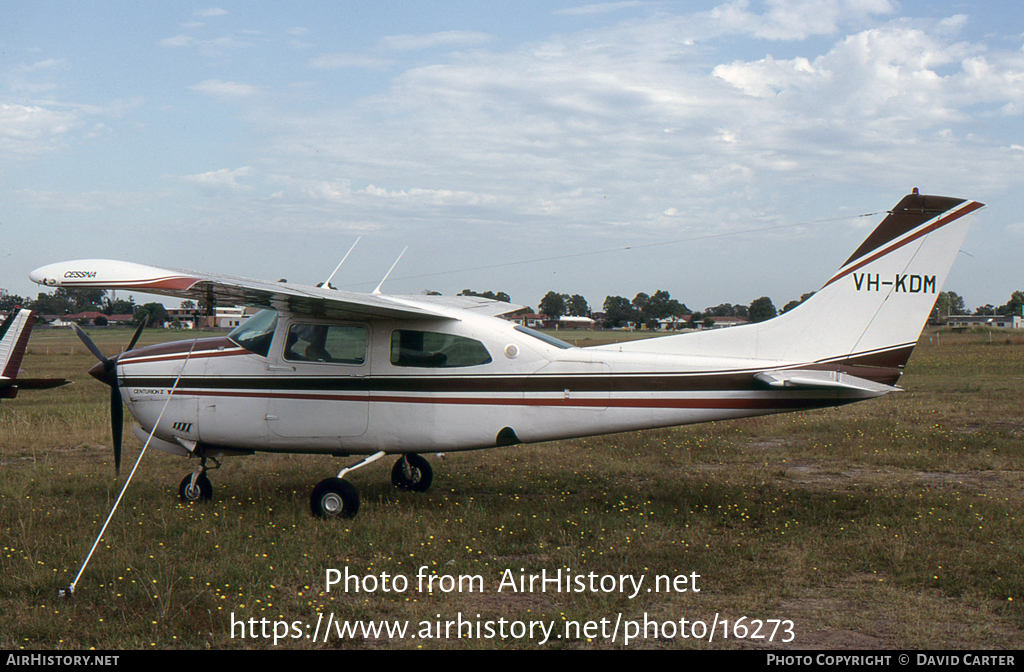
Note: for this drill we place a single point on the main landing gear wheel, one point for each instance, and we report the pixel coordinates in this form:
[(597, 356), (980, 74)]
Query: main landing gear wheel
[(334, 498), (199, 491), (412, 472)]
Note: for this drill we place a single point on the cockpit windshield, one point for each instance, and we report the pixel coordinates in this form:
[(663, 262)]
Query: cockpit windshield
[(550, 340), (256, 333)]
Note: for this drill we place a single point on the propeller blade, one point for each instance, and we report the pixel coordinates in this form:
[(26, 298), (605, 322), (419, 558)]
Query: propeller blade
[(116, 425), (109, 376), (97, 353), (135, 338)]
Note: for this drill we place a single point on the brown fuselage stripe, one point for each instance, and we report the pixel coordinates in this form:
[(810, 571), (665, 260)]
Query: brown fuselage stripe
[(761, 404), (527, 384), (213, 345), (150, 358)]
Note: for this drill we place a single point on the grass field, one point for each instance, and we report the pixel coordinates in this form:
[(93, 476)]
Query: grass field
[(893, 523)]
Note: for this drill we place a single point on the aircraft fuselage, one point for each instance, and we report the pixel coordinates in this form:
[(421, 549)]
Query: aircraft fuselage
[(477, 383)]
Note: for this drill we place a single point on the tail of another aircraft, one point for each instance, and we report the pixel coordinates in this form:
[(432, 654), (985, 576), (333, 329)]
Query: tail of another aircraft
[(14, 333), (868, 316)]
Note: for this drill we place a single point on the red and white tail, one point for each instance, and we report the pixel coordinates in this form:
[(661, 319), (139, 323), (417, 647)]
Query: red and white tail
[(870, 313)]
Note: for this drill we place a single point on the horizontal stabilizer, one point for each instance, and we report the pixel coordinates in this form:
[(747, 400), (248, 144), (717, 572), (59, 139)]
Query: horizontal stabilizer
[(821, 380), (41, 383)]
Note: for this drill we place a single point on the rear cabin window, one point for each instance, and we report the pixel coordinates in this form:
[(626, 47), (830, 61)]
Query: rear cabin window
[(332, 344), (428, 349)]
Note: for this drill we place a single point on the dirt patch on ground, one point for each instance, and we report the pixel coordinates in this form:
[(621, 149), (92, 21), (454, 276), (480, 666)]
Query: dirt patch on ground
[(769, 444), (832, 477), (1008, 427)]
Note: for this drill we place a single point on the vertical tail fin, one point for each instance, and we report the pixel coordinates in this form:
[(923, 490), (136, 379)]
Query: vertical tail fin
[(891, 282), (870, 313), (14, 333)]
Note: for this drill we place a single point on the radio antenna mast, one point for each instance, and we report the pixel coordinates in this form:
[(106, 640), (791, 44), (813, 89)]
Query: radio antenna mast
[(377, 291), (328, 282)]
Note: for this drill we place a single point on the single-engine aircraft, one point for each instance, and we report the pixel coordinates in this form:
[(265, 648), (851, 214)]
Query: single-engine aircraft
[(14, 334), (320, 370)]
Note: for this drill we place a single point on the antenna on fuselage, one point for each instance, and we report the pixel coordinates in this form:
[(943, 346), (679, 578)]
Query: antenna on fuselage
[(377, 291), (327, 283)]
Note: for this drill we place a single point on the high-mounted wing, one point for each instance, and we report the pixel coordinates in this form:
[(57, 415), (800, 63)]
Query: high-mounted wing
[(213, 289), (475, 304)]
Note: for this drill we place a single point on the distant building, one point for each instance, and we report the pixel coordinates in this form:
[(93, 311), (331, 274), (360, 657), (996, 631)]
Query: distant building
[(574, 322), (722, 322), (531, 320), (228, 317), (999, 321), (88, 317), (674, 323), (182, 318), (538, 321)]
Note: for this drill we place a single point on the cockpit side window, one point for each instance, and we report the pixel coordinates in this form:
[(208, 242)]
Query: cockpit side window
[(332, 344), (256, 333), (434, 350)]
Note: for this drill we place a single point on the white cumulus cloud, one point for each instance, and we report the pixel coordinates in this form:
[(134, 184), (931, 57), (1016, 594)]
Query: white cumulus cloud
[(221, 89), (450, 38), (223, 180), (600, 8), (176, 41), (347, 60), (30, 130), (792, 19)]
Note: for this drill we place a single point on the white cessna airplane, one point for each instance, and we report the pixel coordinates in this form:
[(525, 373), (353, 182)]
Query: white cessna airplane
[(320, 370)]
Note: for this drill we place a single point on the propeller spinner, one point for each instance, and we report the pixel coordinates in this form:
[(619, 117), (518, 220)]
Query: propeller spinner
[(106, 372)]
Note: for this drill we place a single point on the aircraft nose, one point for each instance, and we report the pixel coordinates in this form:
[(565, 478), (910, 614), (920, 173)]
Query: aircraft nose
[(100, 373), (39, 275)]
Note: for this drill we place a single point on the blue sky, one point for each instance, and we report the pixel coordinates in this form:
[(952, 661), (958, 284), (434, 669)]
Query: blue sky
[(731, 144)]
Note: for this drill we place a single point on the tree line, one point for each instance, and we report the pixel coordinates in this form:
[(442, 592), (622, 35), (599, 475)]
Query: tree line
[(650, 309), (71, 301), (619, 311), (951, 303)]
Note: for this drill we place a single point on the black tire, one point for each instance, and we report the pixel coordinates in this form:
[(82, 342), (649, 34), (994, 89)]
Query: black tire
[(202, 492), (417, 476), (334, 498)]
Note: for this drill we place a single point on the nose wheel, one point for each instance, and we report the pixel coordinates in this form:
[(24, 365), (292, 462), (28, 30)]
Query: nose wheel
[(196, 487)]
